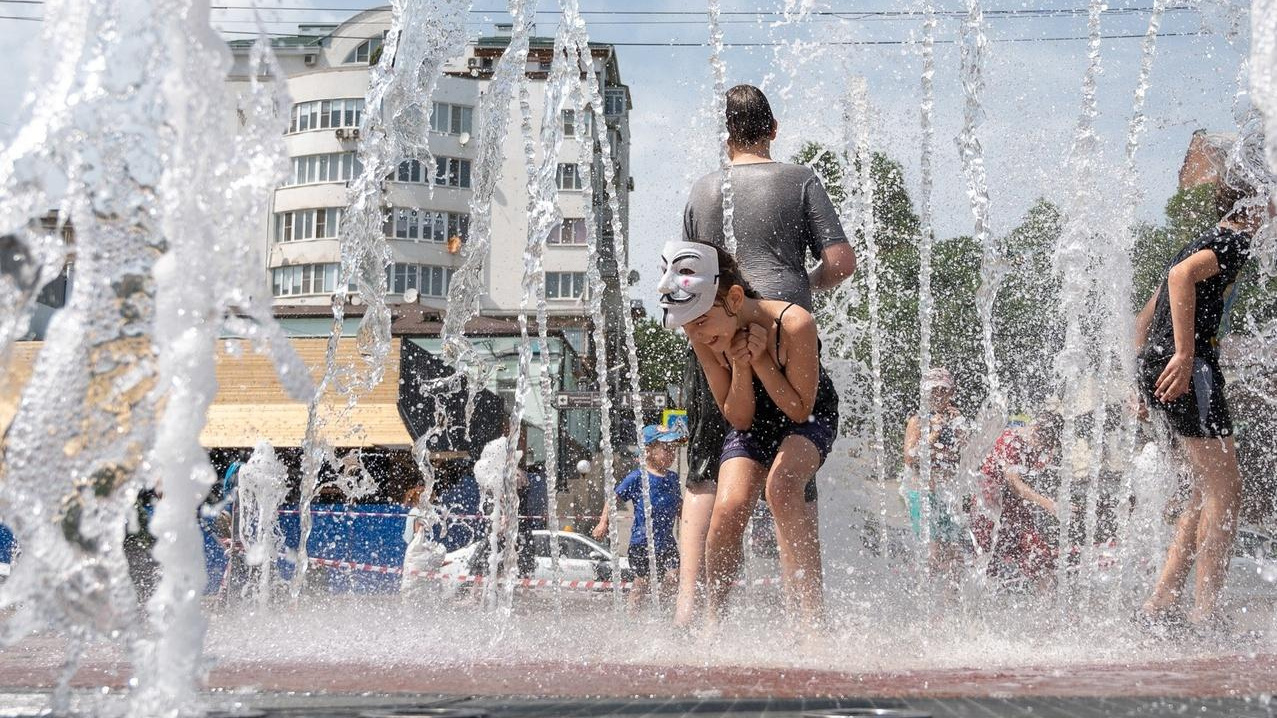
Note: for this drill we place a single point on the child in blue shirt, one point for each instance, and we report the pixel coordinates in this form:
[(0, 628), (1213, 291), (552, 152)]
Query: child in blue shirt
[(667, 502)]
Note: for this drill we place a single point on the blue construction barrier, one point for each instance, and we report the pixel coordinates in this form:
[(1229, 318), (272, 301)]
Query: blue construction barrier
[(6, 544), (347, 532), (357, 533)]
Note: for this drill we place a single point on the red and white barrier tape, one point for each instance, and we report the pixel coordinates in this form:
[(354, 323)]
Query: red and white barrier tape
[(404, 515), (523, 583)]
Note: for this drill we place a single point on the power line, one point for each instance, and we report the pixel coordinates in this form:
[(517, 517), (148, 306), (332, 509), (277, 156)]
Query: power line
[(1132, 36), (836, 14)]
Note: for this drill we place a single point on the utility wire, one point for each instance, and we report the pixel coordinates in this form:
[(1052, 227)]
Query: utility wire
[(1133, 36), (836, 14)]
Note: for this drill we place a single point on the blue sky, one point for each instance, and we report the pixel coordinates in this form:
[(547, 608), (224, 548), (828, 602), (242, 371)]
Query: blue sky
[(1032, 96)]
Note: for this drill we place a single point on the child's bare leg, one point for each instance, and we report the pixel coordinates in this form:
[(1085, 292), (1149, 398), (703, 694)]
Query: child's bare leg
[(637, 593), (797, 537), (693, 527), (1179, 557), (1214, 464), (740, 482)]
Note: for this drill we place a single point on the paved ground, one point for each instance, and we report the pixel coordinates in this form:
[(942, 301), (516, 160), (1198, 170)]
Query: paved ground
[(24, 705), (1223, 677)]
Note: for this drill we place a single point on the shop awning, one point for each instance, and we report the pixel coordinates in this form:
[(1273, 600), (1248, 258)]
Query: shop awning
[(251, 405)]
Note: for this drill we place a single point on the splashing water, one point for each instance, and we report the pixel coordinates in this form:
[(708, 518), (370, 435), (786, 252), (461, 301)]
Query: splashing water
[(125, 348), (1263, 78), (860, 166), (926, 241), (262, 487), (719, 68)]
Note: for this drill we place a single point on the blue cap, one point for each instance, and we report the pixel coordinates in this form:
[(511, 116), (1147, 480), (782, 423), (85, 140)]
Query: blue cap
[(653, 432)]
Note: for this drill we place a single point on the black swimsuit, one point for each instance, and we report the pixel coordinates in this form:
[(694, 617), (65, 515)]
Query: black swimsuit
[(762, 440)]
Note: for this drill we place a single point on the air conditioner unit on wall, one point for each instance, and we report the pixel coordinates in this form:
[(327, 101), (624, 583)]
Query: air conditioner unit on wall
[(341, 133), (474, 63), (310, 59)]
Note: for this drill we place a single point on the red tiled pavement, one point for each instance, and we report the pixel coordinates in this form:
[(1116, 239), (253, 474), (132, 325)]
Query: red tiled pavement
[(1201, 678)]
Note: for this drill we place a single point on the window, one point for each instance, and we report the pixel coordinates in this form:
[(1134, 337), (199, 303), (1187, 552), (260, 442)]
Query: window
[(452, 172), (451, 119), (564, 285), (570, 547), (363, 54), (568, 176), (409, 171), (325, 114), (428, 279), (334, 167), (427, 225), (571, 231), (301, 279), (614, 102), (570, 121), (323, 223)]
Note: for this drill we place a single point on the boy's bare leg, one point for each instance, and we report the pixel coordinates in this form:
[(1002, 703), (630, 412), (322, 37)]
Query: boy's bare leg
[(637, 593), (1214, 465), (740, 483), (797, 537), (693, 527)]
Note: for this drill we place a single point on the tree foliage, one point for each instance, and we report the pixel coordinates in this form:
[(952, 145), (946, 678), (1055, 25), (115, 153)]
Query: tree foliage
[(662, 355)]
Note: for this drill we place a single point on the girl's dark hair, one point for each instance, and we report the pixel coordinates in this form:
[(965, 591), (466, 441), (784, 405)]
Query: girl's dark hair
[(729, 274), (749, 115)]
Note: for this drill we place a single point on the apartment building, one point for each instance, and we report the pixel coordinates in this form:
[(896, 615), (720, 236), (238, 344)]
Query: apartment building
[(428, 208)]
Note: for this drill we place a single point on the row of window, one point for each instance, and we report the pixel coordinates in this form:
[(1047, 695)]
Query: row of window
[(429, 280), (321, 114), (404, 223), (445, 117), (449, 172), (427, 226), (333, 167), (322, 223), (304, 279)]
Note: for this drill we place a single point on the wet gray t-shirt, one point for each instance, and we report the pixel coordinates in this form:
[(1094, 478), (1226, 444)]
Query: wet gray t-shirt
[(782, 213)]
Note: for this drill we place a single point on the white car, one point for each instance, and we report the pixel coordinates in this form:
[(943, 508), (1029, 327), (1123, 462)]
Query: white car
[(1252, 573), (580, 558)]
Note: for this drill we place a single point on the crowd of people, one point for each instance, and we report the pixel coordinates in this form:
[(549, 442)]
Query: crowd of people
[(764, 414)]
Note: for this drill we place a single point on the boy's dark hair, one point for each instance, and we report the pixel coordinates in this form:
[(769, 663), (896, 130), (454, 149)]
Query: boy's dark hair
[(729, 274), (749, 115)]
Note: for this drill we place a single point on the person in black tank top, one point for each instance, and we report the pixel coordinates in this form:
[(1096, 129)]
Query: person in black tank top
[(761, 360)]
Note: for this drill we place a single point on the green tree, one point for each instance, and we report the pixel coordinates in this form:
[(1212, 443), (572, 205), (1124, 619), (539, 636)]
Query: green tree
[(1027, 329), (662, 355)]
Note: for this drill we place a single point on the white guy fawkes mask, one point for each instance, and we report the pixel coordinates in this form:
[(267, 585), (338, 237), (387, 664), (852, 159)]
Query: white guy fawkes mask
[(689, 282)]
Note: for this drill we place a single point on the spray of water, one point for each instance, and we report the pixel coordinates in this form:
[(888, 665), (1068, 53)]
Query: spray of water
[(860, 153), (926, 241), (261, 490), (1263, 78), (136, 341), (543, 216), (423, 36), (719, 68)]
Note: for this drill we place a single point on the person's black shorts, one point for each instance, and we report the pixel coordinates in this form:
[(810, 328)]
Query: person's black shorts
[(707, 430), (1202, 412), (666, 559)]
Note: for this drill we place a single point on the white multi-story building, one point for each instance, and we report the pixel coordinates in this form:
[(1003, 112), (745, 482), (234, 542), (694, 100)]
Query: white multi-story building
[(328, 73)]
